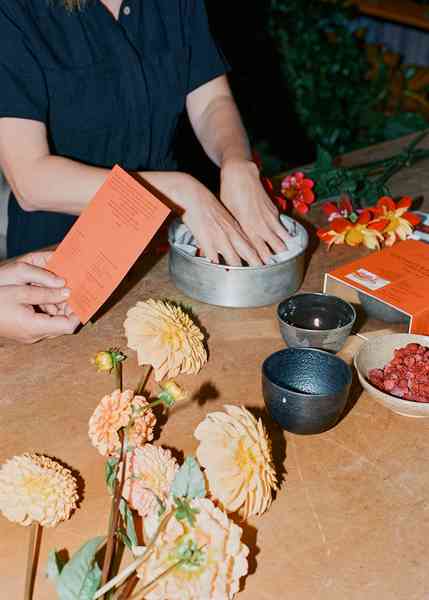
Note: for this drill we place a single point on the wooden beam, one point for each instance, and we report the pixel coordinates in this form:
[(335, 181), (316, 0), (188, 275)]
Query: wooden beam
[(400, 11)]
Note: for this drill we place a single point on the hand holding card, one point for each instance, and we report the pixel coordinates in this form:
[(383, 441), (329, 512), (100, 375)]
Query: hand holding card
[(106, 240)]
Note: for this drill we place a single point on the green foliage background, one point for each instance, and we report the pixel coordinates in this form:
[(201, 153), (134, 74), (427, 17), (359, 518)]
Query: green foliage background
[(326, 69)]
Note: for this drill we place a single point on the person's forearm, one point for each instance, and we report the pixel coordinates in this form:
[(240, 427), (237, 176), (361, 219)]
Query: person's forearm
[(62, 185), (220, 131), (57, 184)]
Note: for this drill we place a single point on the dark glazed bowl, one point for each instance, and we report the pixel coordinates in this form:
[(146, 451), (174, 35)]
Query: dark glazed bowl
[(305, 390), (316, 321)]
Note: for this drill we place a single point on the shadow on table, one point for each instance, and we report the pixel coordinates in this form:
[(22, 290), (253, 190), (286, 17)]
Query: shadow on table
[(206, 393), (141, 268), (354, 395)]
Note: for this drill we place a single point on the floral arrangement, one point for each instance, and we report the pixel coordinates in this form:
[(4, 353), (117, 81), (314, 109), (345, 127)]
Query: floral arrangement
[(180, 521)]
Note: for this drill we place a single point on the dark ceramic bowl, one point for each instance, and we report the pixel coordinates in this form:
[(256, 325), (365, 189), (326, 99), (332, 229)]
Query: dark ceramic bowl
[(316, 321), (305, 390), (381, 311)]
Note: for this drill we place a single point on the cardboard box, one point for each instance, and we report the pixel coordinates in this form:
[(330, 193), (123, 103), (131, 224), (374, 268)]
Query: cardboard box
[(397, 276)]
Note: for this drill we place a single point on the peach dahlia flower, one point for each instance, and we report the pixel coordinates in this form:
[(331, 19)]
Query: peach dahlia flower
[(165, 337), (220, 558), (149, 473), (118, 410), (236, 454), (35, 488)]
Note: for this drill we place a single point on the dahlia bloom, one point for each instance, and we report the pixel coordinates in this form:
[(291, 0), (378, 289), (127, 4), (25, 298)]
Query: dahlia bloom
[(149, 473), (36, 489), (210, 558), (165, 337), (118, 410), (236, 454)]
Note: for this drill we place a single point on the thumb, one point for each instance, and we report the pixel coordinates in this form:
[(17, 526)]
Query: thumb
[(32, 294)]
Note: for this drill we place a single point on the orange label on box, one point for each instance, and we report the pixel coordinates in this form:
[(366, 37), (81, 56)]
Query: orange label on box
[(398, 276), (106, 240)]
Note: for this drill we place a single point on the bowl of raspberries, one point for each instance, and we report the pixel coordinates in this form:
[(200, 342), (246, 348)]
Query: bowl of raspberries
[(394, 370)]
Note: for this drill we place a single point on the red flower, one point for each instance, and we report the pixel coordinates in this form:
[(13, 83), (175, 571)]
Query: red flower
[(343, 209), (299, 190), (280, 201)]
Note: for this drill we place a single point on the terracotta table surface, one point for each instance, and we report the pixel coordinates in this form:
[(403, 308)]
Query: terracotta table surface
[(351, 520)]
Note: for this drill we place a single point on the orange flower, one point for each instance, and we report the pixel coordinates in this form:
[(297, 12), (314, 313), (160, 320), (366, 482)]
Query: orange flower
[(363, 231), (397, 222), (335, 234), (299, 190), (118, 410)]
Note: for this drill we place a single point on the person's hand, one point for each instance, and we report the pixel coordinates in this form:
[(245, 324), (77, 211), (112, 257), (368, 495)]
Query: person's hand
[(18, 317), (40, 260), (215, 230), (244, 196)]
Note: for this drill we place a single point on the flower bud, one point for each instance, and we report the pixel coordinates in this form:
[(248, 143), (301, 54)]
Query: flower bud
[(107, 360), (171, 393)]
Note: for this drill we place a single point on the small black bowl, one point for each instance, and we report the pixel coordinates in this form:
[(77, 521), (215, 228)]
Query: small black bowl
[(305, 389), (315, 320)]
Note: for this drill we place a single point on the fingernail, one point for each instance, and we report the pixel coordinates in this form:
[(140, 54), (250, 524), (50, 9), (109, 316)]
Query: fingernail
[(60, 281), (65, 292)]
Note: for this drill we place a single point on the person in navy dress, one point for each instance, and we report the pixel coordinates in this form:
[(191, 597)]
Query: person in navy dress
[(85, 85)]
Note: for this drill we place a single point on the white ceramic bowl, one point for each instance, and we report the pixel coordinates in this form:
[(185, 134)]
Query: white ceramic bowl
[(375, 354)]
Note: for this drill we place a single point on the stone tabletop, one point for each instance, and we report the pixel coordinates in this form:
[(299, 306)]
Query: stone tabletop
[(351, 520)]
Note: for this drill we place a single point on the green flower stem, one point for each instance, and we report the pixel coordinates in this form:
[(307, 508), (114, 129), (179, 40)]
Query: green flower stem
[(33, 543), (152, 404), (143, 379), (128, 571), (118, 376), (114, 514)]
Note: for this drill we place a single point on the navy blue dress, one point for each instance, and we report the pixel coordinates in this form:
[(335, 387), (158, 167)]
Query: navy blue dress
[(108, 91)]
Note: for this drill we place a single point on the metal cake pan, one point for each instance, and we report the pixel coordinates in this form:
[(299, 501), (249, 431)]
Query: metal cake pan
[(237, 287)]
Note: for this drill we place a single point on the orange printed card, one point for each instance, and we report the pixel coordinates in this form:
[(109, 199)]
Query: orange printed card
[(398, 276), (106, 240)]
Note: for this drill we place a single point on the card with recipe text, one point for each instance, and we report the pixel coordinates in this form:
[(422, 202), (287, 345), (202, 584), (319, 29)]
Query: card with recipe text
[(106, 240)]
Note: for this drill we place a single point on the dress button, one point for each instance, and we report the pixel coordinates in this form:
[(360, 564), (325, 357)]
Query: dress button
[(127, 11)]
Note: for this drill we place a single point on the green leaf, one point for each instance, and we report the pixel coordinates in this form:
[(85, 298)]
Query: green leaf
[(127, 517), (122, 535), (184, 511), (54, 566), (111, 470), (189, 481), (81, 576), (324, 159)]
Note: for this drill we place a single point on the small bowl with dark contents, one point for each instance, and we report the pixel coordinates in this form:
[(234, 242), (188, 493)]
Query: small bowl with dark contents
[(305, 389), (316, 320)]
